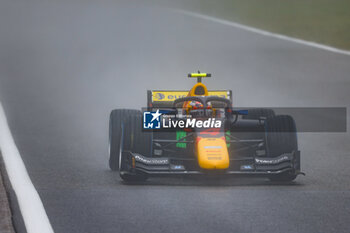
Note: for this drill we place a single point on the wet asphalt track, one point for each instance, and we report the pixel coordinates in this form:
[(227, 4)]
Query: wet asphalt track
[(65, 65)]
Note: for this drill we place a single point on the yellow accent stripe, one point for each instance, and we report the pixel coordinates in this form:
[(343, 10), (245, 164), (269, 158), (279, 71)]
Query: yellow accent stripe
[(173, 95), (196, 75)]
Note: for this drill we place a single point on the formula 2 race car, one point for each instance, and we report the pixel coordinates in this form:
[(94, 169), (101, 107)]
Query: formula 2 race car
[(251, 142)]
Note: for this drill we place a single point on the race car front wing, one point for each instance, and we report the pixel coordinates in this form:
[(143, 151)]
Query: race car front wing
[(249, 166)]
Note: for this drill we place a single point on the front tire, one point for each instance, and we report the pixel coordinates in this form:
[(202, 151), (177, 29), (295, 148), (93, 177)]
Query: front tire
[(137, 141), (116, 119), (281, 137)]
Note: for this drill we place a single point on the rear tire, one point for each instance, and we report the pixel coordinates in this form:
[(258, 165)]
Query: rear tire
[(281, 138), (257, 113), (116, 119), (137, 141)]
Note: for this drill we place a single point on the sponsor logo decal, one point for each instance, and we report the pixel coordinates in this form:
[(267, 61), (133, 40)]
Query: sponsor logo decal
[(212, 147), (158, 161), (246, 167), (177, 167), (277, 160), (173, 95), (159, 96)]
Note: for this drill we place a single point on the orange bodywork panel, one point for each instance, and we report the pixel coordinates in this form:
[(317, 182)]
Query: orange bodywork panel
[(212, 153)]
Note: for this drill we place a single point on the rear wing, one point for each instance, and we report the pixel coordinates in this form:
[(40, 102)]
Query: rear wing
[(158, 98)]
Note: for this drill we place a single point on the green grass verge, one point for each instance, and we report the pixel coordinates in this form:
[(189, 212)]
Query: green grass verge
[(322, 21)]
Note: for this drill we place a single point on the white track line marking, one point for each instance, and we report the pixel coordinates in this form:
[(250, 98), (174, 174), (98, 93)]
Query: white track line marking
[(32, 209), (265, 33)]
